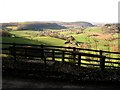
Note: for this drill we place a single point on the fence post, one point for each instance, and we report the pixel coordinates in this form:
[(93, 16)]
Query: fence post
[(63, 56), (43, 55), (101, 52), (53, 55), (79, 59), (25, 53), (42, 52), (14, 52), (11, 50), (74, 53), (102, 63)]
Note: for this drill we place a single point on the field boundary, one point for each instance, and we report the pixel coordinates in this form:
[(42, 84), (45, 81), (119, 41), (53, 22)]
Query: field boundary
[(77, 56)]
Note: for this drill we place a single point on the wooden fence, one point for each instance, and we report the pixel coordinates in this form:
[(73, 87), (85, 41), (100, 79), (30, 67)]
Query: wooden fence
[(77, 56)]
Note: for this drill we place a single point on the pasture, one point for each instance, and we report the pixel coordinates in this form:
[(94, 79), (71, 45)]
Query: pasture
[(92, 54), (90, 38)]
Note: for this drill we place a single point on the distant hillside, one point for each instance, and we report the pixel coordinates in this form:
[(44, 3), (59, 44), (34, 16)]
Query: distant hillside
[(111, 28), (45, 25), (33, 25), (40, 26), (9, 24), (77, 24)]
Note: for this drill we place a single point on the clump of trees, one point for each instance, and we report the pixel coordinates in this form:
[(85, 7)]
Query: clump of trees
[(71, 41), (110, 28), (52, 34), (4, 33), (39, 26), (9, 24)]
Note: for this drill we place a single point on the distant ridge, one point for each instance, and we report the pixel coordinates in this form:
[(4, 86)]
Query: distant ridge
[(40, 26), (78, 24), (36, 25)]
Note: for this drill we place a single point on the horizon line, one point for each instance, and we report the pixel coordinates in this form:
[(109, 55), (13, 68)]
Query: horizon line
[(57, 21)]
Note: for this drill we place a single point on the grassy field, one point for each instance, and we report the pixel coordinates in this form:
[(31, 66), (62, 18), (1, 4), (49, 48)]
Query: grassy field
[(92, 42), (29, 37), (50, 41), (100, 42), (93, 29), (19, 40), (24, 33)]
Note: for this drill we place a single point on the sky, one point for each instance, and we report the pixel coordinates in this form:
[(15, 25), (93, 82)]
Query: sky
[(100, 11)]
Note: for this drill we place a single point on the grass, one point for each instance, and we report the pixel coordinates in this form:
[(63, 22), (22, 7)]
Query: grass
[(116, 35), (22, 33), (50, 41), (36, 40), (19, 40), (30, 37), (93, 29), (33, 37), (80, 37)]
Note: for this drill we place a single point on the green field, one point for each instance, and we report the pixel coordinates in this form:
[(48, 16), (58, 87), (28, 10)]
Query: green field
[(19, 40), (93, 29), (23, 37), (32, 37), (50, 41)]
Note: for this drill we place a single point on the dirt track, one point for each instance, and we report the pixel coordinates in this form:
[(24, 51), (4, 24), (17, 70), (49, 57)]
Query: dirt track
[(16, 83), (26, 79)]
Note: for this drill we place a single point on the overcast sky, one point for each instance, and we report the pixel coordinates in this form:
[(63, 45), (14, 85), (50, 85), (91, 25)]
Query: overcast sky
[(101, 11)]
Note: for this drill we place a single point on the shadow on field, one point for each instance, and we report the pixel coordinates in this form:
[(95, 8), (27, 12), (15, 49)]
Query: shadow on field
[(21, 77), (22, 40)]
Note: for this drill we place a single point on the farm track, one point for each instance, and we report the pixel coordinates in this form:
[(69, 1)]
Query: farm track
[(12, 82), (34, 74)]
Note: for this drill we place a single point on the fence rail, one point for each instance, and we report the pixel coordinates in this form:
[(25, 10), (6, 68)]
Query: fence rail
[(78, 56)]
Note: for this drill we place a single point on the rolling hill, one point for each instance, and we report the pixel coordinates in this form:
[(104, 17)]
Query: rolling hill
[(45, 25), (77, 24)]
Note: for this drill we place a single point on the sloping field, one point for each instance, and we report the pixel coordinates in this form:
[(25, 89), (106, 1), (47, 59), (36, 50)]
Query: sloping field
[(50, 41)]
